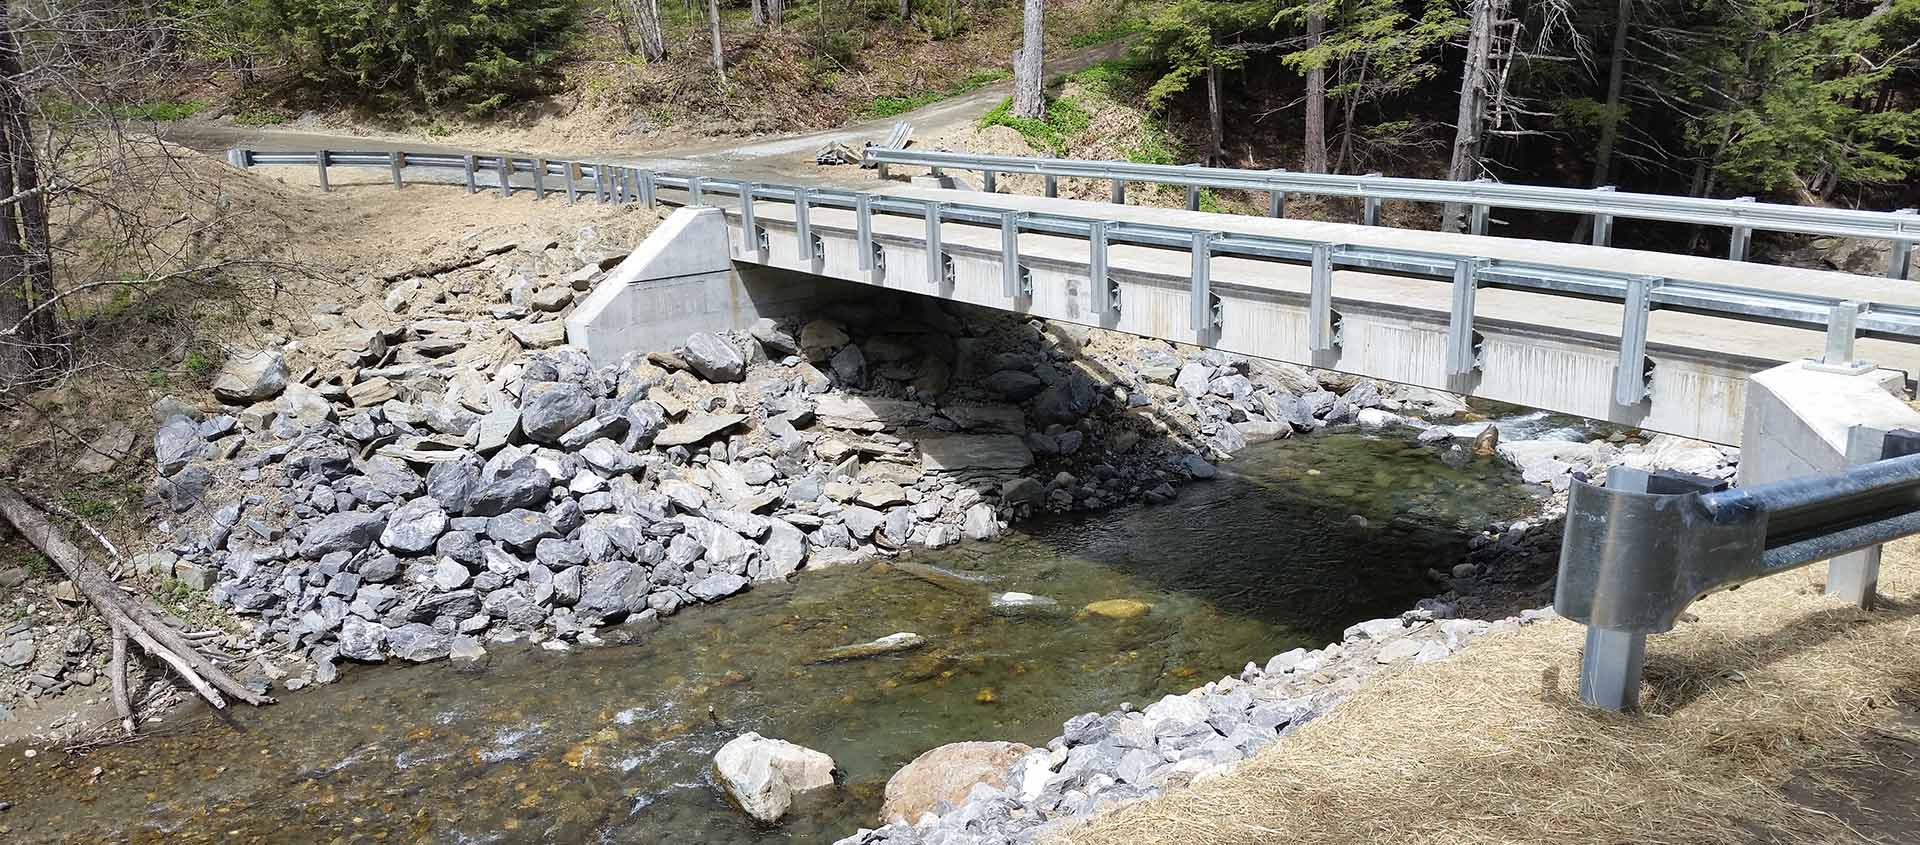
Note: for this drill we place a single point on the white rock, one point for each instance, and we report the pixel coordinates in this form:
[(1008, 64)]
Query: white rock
[(763, 775)]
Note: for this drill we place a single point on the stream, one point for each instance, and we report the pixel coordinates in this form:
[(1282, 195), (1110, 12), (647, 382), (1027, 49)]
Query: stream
[(1294, 541)]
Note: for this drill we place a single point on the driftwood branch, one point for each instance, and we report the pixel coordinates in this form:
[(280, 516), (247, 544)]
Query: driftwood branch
[(131, 616)]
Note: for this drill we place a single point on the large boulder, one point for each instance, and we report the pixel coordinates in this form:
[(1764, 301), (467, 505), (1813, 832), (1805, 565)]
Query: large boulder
[(714, 358), (763, 775), (415, 526), (176, 443), (250, 377), (342, 532), (552, 408), (947, 774)]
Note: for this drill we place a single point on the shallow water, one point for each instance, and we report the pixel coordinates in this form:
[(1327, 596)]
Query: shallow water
[(1297, 540)]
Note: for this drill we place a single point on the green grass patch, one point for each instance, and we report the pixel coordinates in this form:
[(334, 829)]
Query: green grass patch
[(890, 106), (1064, 119), (261, 116), (86, 506), (1113, 30), (160, 111), (198, 365)]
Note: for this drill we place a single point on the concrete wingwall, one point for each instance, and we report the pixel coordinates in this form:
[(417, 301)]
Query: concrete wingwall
[(1800, 420), (679, 281)]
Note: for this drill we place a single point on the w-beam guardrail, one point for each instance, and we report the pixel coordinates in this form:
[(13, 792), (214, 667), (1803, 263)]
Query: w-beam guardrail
[(1641, 549), (1843, 319), (1742, 217)]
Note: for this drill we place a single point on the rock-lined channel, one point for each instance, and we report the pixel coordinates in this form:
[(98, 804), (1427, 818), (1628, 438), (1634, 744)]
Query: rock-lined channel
[(615, 743)]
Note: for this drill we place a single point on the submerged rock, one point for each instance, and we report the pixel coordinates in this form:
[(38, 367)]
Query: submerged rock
[(763, 775), (889, 644), (1020, 604), (1119, 608)]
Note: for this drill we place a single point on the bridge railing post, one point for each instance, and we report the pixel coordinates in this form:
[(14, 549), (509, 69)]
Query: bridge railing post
[(1206, 315), (396, 161), (1900, 255), (1119, 193), (1603, 223), (1631, 370), (751, 242), (1741, 238), (937, 264), (1463, 348), (988, 182), (320, 159), (871, 261), (1052, 185), (1322, 330), (539, 179), (1014, 282), (572, 175), (506, 175), (467, 165), (1104, 292)]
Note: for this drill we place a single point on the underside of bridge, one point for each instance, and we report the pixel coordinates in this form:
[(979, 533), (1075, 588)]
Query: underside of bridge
[(704, 270)]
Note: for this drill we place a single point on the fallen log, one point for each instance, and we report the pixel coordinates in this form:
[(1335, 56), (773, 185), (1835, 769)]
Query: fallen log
[(131, 616)]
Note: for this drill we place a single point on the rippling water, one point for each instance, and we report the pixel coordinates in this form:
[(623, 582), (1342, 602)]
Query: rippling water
[(1299, 539)]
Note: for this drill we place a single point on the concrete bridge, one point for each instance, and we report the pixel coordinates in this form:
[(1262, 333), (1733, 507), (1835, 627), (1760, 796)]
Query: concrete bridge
[(1659, 341)]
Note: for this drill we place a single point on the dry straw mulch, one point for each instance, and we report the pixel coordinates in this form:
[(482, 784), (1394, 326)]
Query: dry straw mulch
[(1766, 682)]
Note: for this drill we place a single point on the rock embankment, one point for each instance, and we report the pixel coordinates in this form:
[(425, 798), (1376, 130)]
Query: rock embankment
[(425, 473)]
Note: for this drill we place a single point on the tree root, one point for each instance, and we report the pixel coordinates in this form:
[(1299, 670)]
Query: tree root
[(131, 616)]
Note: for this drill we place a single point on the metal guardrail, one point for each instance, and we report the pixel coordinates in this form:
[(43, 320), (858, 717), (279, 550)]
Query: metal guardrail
[(1641, 549), (1843, 320), (1740, 216)]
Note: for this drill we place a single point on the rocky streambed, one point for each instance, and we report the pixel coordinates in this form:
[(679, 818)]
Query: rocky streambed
[(1293, 541)]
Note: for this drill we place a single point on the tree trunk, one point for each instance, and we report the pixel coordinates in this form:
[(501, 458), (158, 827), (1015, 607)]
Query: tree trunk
[(1347, 110), (776, 13), (713, 27), (1315, 155), (906, 10), (1216, 142), (1468, 134), (1029, 75), (26, 249), (645, 15), (1616, 77), (759, 13)]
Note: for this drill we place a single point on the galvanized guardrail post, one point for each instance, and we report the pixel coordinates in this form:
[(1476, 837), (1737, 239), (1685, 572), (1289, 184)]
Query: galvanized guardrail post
[(1103, 291), (396, 161), (936, 251), (872, 261), (1463, 348), (751, 241), (1740, 239), (1637, 552), (1014, 282), (1603, 223), (1900, 256), (320, 159), (1632, 375), (467, 162), (506, 176), (1206, 314), (1322, 324), (1051, 184), (1118, 195)]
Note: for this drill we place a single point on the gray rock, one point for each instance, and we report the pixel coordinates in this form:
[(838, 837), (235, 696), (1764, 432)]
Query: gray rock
[(1195, 379), (523, 485), (717, 586), (850, 366), (609, 458), (466, 649), (520, 529), (550, 409), (696, 428), (175, 444), (413, 527), (452, 482), (645, 419), (362, 640), (778, 342), (342, 532), (1014, 385), (418, 643), (981, 523), (714, 358), (450, 575), (862, 521), (785, 549), (763, 775), (250, 377), (17, 654), (611, 589)]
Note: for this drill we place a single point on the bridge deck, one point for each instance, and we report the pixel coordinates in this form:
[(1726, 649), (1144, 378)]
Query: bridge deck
[(1761, 344)]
